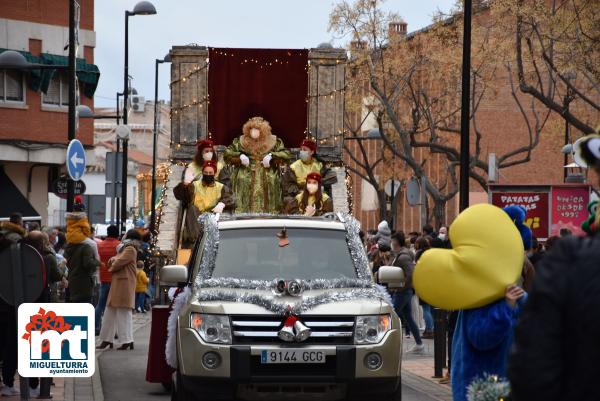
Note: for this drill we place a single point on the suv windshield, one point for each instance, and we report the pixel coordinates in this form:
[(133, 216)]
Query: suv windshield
[(255, 254)]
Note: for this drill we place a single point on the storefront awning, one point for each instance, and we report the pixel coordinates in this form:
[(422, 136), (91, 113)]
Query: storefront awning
[(13, 200), (38, 80)]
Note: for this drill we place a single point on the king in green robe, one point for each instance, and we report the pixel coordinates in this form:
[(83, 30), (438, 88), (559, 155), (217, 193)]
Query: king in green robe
[(255, 159)]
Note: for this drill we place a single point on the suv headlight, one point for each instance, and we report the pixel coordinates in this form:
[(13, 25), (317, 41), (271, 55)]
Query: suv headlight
[(213, 329), (371, 329)]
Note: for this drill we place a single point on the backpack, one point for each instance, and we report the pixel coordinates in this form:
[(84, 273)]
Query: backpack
[(408, 269)]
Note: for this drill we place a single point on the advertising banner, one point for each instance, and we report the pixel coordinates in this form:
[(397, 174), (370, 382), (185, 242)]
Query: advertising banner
[(569, 209), (537, 205)]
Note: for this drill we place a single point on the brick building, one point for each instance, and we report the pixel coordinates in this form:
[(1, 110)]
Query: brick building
[(34, 104), (503, 129)]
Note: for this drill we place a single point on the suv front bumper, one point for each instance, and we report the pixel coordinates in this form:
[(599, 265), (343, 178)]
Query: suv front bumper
[(242, 363)]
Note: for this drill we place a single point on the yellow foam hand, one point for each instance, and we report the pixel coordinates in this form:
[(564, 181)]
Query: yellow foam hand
[(487, 256)]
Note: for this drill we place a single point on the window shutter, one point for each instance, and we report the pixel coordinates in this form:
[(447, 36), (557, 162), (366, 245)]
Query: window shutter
[(14, 85), (52, 96), (64, 83)]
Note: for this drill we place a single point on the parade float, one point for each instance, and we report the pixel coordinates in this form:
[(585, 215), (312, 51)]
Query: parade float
[(215, 91), (218, 95)]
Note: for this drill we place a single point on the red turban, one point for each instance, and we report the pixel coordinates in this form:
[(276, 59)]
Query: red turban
[(205, 143), (314, 176), (312, 145), (210, 163)]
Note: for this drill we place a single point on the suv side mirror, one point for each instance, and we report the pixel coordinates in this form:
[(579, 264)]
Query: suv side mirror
[(392, 276), (172, 275)]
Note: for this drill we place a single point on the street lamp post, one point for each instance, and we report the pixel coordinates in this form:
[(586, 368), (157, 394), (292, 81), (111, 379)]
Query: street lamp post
[(465, 109), (569, 76), (141, 8), (166, 59)]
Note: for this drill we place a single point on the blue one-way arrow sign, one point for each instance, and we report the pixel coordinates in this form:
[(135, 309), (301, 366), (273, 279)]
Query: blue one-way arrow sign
[(75, 160)]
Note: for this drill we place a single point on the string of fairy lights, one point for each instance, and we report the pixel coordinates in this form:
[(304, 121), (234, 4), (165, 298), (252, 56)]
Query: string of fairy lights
[(262, 63), (204, 102)]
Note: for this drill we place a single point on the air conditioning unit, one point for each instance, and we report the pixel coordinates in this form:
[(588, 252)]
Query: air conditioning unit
[(138, 103)]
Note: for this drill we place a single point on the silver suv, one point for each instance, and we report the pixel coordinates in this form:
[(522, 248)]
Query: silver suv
[(282, 308)]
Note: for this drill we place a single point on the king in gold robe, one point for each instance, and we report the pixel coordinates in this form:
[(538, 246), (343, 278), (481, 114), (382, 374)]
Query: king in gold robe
[(256, 158)]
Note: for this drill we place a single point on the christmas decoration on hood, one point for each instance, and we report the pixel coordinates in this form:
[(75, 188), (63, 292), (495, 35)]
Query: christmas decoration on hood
[(487, 256), (293, 330)]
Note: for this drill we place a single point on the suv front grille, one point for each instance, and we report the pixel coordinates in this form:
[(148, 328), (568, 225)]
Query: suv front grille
[(252, 329)]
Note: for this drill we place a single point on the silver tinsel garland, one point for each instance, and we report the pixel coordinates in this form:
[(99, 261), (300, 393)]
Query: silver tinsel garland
[(210, 227), (275, 304), (353, 288), (307, 285), (357, 249)]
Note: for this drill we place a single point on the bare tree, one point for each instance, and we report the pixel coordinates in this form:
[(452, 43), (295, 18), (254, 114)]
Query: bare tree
[(557, 48), (415, 81)]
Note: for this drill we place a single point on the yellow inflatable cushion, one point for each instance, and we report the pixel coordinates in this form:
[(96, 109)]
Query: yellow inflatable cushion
[(487, 256)]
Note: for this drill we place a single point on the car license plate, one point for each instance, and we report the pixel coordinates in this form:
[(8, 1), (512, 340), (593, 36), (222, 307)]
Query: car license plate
[(292, 356)]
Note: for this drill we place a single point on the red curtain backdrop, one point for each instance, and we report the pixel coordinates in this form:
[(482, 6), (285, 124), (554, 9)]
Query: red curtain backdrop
[(269, 83)]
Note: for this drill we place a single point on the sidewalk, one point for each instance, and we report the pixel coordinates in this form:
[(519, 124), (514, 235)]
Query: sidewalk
[(83, 388), (418, 369), (417, 372)]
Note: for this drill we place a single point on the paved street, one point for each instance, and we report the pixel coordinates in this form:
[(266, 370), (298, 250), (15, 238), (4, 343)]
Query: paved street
[(123, 373)]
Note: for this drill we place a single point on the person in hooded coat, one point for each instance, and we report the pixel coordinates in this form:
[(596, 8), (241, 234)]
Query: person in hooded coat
[(81, 256)]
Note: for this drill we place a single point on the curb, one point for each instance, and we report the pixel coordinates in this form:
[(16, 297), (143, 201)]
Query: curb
[(420, 384), (97, 391), (96, 384)]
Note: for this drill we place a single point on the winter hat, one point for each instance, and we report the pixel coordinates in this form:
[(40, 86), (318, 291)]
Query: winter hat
[(383, 229), (384, 235), (312, 145), (384, 244), (518, 215), (78, 206)]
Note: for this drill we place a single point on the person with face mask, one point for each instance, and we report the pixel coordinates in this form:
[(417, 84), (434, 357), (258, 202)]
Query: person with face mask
[(206, 193), (206, 151), (255, 161), (295, 179), (312, 201)]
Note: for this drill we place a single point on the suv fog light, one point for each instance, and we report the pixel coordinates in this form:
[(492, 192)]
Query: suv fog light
[(211, 360), (373, 361)]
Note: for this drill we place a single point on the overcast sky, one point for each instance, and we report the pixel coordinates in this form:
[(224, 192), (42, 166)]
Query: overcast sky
[(218, 23)]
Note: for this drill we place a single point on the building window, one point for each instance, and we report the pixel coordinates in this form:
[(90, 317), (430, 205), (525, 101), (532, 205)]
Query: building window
[(58, 91), (12, 86)]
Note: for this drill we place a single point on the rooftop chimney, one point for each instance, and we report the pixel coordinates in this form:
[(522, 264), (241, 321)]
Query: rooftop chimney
[(397, 30)]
